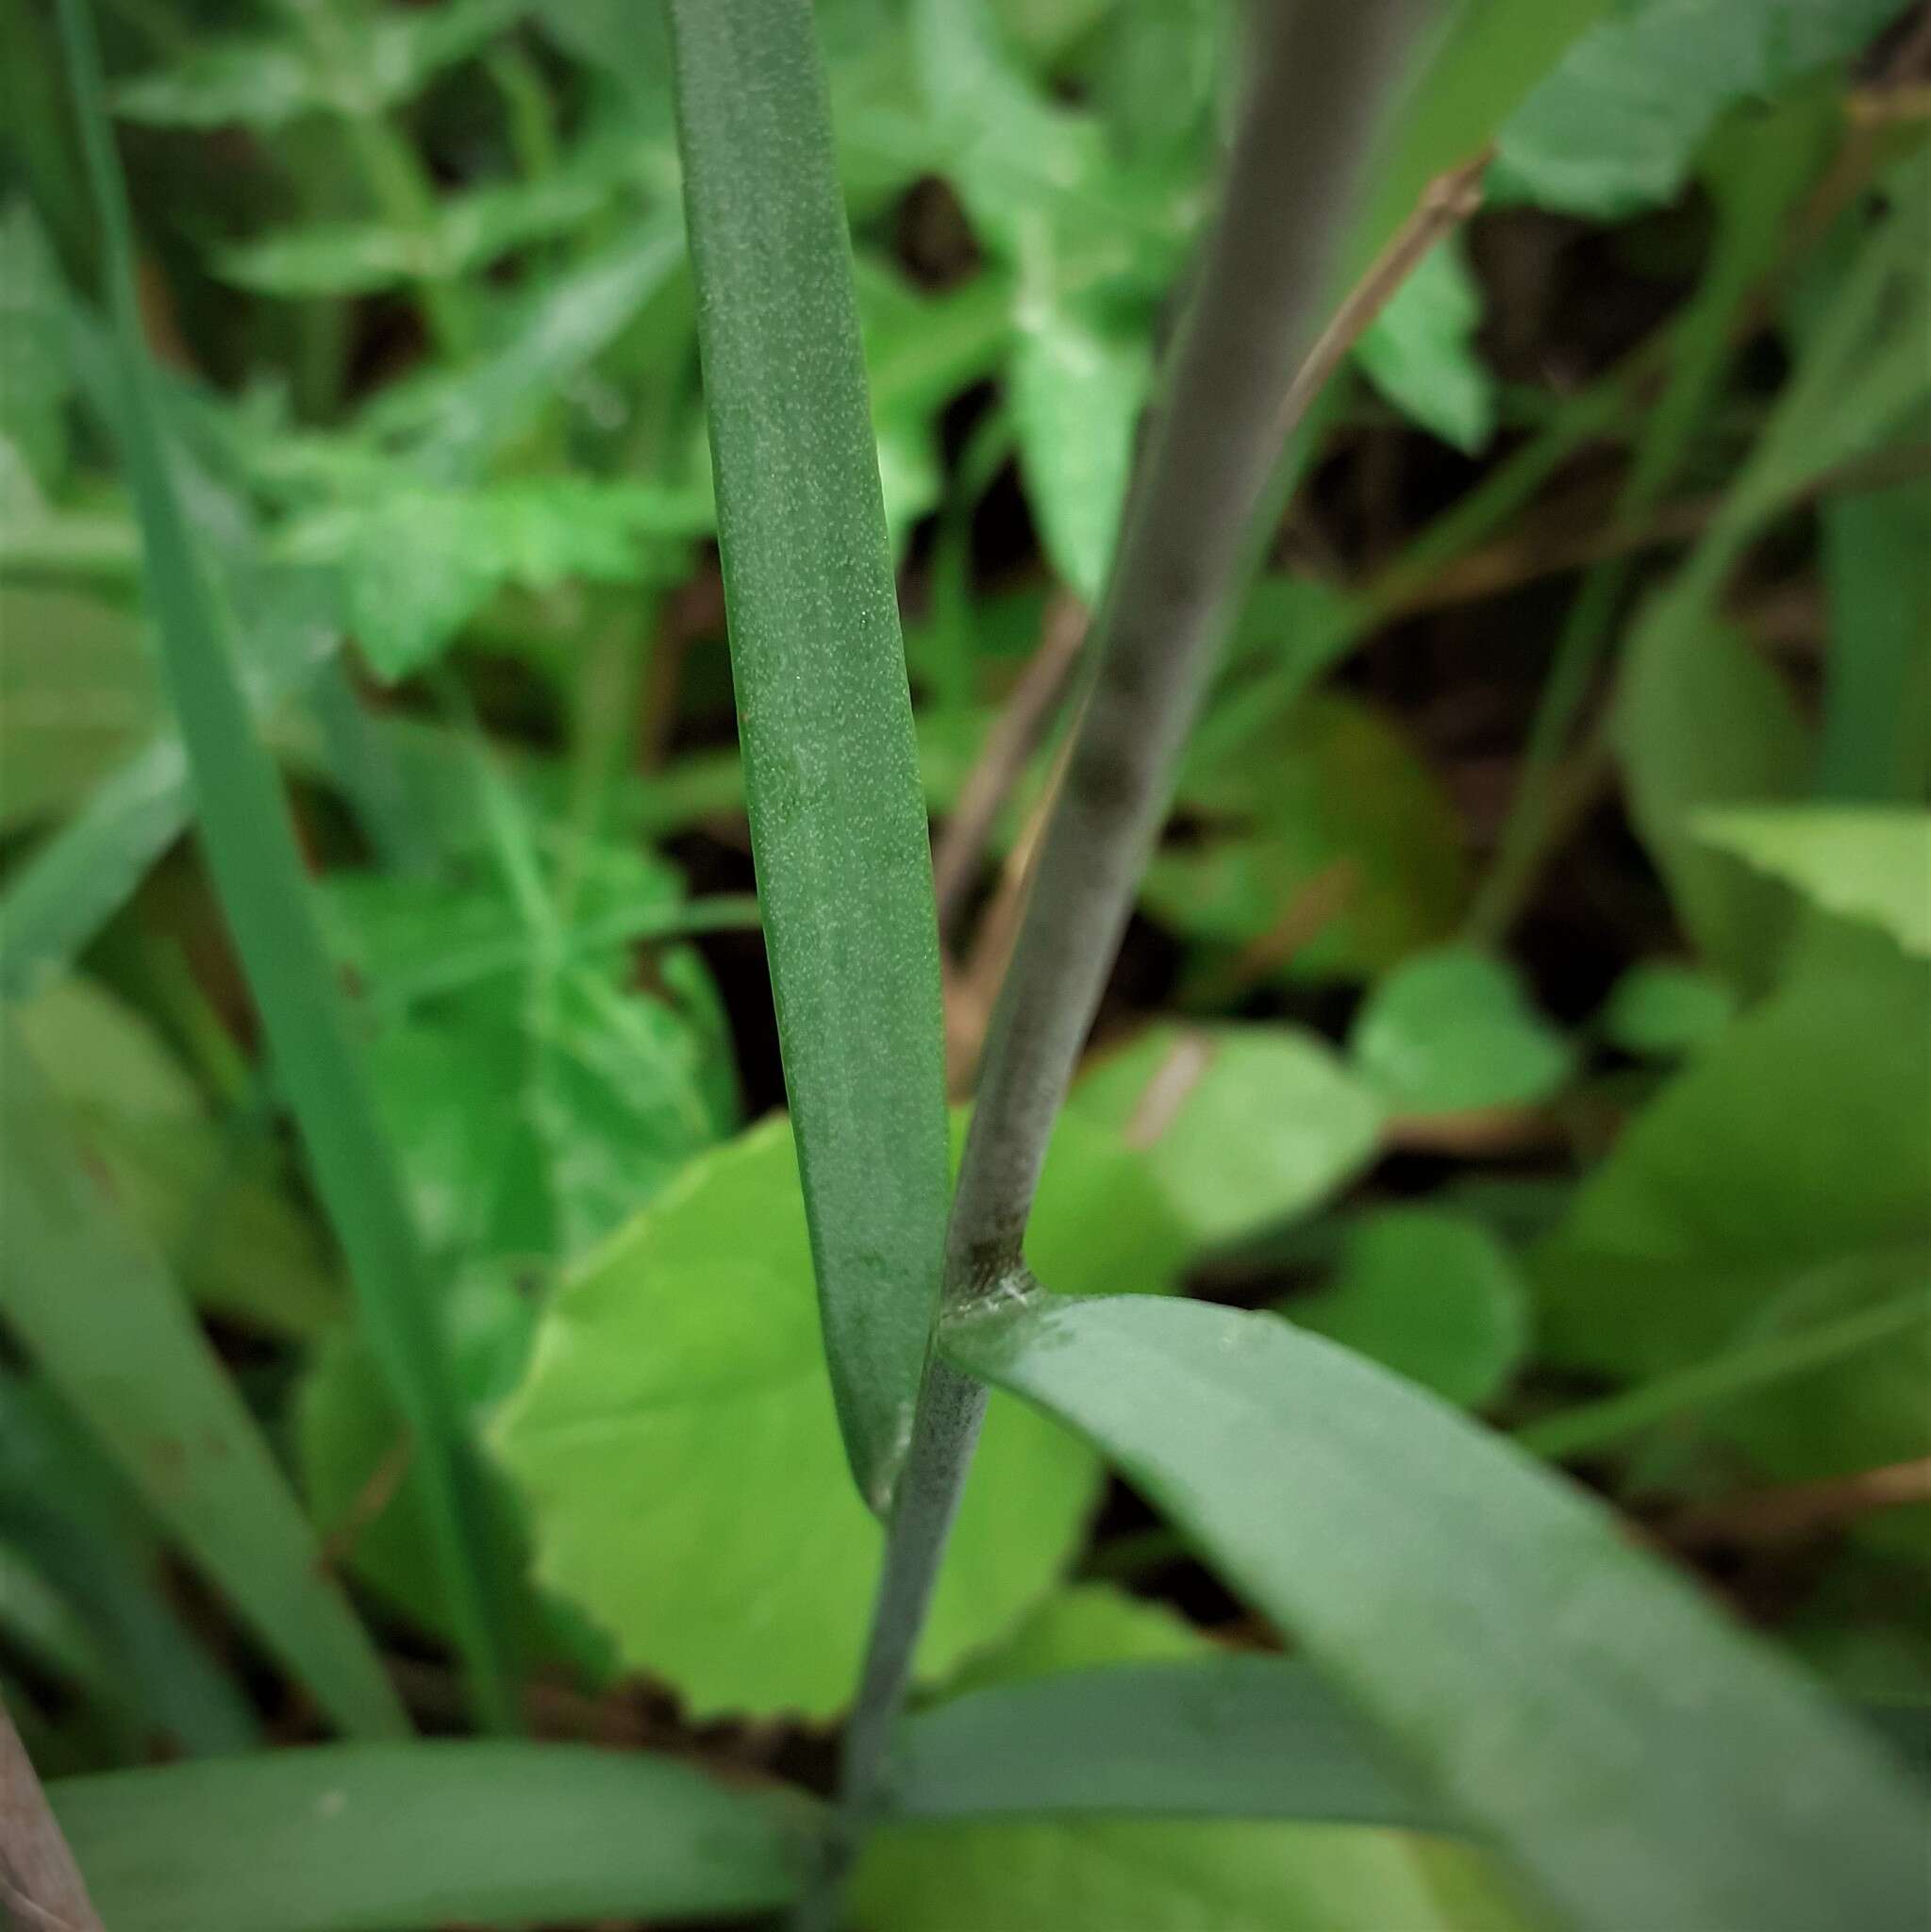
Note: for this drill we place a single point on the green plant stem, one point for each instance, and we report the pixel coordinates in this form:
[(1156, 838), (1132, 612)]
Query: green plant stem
[(1700, 344), (258, 871), (1318, 76), (1738, 1372)]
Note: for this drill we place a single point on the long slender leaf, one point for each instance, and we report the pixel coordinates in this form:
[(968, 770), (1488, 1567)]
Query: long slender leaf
[(394, 1837), (116, 1338), (1647, 1764), (1229, 1736), (838, 825), (251, 847)]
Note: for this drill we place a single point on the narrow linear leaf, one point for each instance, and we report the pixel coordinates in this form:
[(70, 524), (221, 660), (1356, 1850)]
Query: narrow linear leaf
[(1647, 1764), (397, 1837), (837, 824), (113, 1335), (258, 875), (1210, 1736)]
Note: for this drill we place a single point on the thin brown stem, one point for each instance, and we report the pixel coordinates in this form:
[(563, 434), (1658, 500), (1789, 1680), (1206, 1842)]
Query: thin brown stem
[(1801, 1510), (41, 1884), (1016, 734), (1446, 203)]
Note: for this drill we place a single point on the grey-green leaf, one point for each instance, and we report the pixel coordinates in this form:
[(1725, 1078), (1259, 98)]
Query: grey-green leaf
[(113, 1335), (1211, 1737), (410, 1838), (837, 822), (1645, 1763)]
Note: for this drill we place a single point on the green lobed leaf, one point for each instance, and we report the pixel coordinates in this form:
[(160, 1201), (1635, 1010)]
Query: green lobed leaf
[(677, 1400), (1645, 1763), (1871, 864), (1076, 388), (417, 562), (1701, 721), (837, 824), (1617, 127), (411, 1837), (1329, 802), (110, 1332), (1420, 352), (1434, 1296), (1661, 1010), (1145, 1873), (1453, 1031), (1776, 1184), (463, 234), (265, 81), (1242, 1127)]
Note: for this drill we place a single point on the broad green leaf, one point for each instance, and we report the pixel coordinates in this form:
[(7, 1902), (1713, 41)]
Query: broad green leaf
[(1701, 721), (1242, 1126), (413, 1838), (1146, 1874), (1872, 865), (1644, 1762), (677, 1400), (1617, 125), (261, 882), (838, 825), (352, 1450), (35, 377), (201, 1198), (1661, 1010), (533, 1110), (1076, 388), (1420, 351), (1876, 741), (1330, 803), (1433, 1296), (417, 563), (1453, 1031), (77, 693), (1102, 1706), (265, 81), (109, 1329), (1778, 1182)]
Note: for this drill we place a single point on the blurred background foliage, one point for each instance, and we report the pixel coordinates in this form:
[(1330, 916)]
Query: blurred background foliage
[(1530, 988)]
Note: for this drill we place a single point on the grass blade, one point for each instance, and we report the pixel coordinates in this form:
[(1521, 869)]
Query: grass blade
[(257, 872), (1645, 1763), (837, 824), (1230, 1737), (115, 1338), (406, 1838)]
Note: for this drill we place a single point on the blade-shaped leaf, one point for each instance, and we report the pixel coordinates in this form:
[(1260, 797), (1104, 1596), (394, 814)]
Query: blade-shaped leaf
[(838, 825), (1647, 1764), (113, 1335), (1210, 1736), (258, 873), (393, 1838)]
